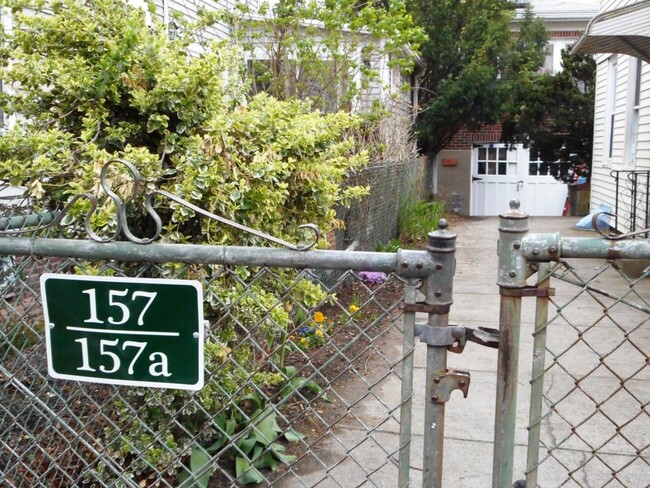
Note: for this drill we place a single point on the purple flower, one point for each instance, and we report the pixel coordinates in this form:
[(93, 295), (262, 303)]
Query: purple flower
[(372, 277), (304, 330)]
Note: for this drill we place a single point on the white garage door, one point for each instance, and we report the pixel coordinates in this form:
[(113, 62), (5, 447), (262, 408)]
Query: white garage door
[(500, 175)]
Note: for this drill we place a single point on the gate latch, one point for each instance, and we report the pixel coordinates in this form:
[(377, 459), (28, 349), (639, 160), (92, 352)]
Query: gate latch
[(456, 336), (444, 382)]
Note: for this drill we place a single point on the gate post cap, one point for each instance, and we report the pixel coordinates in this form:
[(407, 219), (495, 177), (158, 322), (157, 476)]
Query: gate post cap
[(442, 240), (514, 212)]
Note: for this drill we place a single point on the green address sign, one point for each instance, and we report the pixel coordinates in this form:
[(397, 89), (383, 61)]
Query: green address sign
[(124, 331)]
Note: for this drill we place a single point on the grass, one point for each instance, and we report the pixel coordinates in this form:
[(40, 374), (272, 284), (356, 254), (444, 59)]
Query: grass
[(417, 219)]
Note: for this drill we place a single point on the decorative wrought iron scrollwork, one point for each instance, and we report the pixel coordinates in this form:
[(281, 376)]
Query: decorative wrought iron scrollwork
[(122, 226), (632, 201), (613, 236)]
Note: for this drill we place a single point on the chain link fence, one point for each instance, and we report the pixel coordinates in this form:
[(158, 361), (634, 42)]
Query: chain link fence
[(374, 219), (590, 422), (297, 375)]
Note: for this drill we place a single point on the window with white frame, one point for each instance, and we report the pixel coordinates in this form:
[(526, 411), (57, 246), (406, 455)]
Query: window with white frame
[(493, 160), (610, 115), (634, 100)]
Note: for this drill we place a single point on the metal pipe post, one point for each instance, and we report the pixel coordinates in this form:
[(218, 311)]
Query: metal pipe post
[(408, 351), (513, 272), (537, 380), (442, 248)]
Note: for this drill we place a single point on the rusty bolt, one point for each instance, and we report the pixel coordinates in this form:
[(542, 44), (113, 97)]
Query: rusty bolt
[(419, 265), (438, 293), (512, 274), (405, 264), (552, 249), (535, 251), (533, 267), (438, 266), (436, 380), (517, 245), (434, 398), (462, 383)]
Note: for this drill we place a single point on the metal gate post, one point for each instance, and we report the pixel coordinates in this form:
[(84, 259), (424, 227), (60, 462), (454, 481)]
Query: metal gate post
[(537, 382), (511, 280), (408, 352), (442, 248)]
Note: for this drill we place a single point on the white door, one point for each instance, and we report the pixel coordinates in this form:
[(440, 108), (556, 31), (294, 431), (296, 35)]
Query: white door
[(500, 174)]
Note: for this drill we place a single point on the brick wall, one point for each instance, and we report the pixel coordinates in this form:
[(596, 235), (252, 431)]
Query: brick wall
[(464, 138)]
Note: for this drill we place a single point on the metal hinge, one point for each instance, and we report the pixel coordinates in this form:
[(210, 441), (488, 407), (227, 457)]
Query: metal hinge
[(454, 337), (527, 291), (422, 307)]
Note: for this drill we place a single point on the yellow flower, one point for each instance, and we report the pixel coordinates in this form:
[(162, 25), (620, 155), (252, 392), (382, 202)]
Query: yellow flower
[(292, 337), (354, 309), (319, 332), (303, 340), (319, 318)]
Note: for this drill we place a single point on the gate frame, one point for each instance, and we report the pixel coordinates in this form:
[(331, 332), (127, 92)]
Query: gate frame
[(520, 256)]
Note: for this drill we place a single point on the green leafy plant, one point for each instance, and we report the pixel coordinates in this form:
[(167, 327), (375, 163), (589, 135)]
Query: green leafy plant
[(252, 440), (474, 64), (329, 52), (296, 383), (416, 220), (184, 120), (391, 246)]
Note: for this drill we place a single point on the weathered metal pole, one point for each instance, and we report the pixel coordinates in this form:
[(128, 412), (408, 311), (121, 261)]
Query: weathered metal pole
[(408, 351), (442, 248), (537, 382), (512, 279)]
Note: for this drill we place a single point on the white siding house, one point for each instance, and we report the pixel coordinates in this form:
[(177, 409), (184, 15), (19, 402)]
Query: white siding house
[(389, 87), (621, 154)]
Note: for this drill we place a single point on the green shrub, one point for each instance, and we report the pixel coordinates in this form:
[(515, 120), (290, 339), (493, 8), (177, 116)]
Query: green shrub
[(98, 83)]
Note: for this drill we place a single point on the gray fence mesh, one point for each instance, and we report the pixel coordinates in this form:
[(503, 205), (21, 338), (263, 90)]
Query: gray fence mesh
[(295, 382), (374, 219), (595, 421)]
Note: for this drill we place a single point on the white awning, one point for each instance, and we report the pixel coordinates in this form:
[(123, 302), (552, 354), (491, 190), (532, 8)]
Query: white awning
[(625, 30)]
